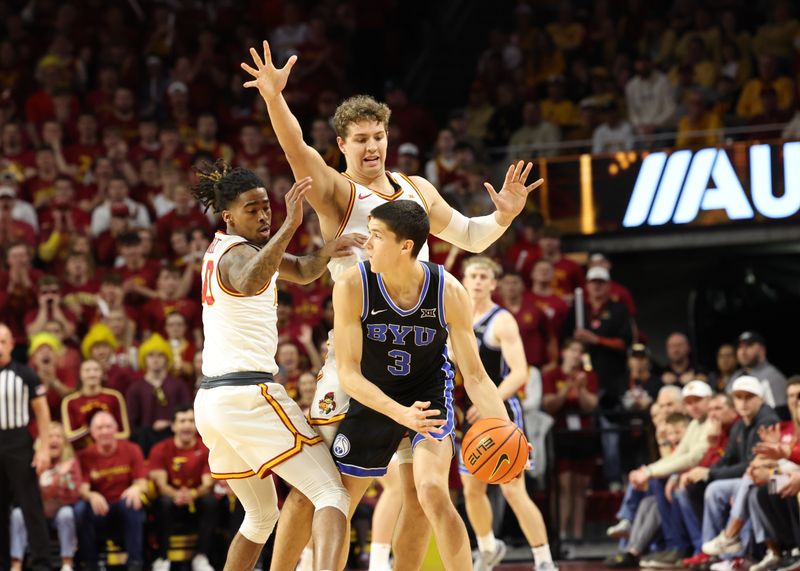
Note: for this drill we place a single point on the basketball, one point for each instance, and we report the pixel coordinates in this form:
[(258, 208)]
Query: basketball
[(495, 450)]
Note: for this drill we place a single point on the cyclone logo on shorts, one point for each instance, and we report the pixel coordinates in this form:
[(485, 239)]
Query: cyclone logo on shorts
[(341, 446)]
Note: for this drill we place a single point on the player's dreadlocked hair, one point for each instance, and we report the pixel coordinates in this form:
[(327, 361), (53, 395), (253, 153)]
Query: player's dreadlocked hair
[(220, 184)]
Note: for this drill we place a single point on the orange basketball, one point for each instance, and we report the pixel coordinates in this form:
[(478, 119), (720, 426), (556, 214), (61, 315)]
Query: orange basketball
[(494, 450)]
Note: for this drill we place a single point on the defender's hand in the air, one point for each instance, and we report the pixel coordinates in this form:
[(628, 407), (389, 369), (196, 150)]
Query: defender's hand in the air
[(343, 246), (294, 202), (417, 417), (269, 80), (512, 197)]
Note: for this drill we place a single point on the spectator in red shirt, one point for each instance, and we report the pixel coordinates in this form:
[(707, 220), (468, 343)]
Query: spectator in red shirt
[(18, 289), (139, 274), (536, 330), (149, 184), (185, 214), (206, 139), (43, 357), (569, 393), (114, 480), (183, 350), (179, 468), (16, 157), (100, 99), (122, 114), (62, 220), (11, 229), (59, 487), (551, 303), (51, 307), (148, 144), (251, 152), (100, 344), (525, 251), (80, 288), (40, 189), (77, 408), (172, 153), (154, 312), (567, 274), (87, 148), (153, 398)]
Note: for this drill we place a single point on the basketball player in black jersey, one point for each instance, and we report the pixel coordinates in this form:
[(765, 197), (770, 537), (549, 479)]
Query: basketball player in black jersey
[(392, 316), (503, 356)]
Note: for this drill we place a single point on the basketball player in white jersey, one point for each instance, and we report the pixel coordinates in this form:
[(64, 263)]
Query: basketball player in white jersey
[(342, 202), (503, 356), (247, 421)]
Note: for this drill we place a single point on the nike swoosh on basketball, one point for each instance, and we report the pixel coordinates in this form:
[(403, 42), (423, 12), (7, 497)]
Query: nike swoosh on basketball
[(363, 196), (503, 458), (377, 311)]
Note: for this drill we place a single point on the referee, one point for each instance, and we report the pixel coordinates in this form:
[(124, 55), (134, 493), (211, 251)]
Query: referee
[(20, 391)]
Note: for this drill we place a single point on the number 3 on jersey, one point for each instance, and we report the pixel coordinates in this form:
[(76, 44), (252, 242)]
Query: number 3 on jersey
[(402, 363), (207, 297)]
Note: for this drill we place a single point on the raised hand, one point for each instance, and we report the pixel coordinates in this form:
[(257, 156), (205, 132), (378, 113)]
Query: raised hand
[(343, 246), (268, 79), (294, 202), (512, 197)]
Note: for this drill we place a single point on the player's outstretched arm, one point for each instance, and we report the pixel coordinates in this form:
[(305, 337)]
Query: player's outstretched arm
[(304, 159), (480, 388), (506, 331), (479, 232), (305, 269), (348, 345), (249, 270)]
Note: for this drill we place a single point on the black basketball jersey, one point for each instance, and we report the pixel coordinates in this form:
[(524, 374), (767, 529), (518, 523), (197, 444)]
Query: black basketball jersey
[(404, 351), (491, 356)]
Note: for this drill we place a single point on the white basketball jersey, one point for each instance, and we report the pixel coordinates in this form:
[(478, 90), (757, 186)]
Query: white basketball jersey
[(241, 332), (362, 201)]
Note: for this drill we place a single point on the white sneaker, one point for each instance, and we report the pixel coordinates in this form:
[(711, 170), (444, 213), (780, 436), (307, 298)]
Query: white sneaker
[(738, 564), (200, 563), (548, 566), (161, 564), (489, 560), (770, 559), (66, 568), (722, 545), (620, 530)]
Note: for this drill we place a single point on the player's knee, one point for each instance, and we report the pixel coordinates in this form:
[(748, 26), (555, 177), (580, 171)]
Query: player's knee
[(258, 524), (330, 495), (432, 494)]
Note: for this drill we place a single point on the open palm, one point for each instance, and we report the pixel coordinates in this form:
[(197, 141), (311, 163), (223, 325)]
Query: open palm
[(512, 197), (268, 79)]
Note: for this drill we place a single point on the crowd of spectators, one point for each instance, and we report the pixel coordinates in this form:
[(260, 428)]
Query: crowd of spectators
[(102, 240)]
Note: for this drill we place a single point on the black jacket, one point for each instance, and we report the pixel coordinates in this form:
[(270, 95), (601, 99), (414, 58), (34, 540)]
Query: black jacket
[(739, 452)]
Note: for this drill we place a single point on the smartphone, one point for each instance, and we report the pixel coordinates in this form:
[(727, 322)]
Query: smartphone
[(776, 482)]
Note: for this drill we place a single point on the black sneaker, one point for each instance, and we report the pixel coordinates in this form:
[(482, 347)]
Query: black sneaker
[(622, 560), (668, 559)]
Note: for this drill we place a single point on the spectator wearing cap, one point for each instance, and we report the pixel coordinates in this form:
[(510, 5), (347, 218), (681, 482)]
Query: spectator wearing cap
[(114, 480), (151, 400), (649, 98), (618, 291), (44, 353), (726, 367), (179, 112), (408, 159), (12, 229), (535, 138), (556, 108), (100, 344), (662, 476), (643, 384), (179, 468), (606, 333), (751, 353), (567, 274), (78, 407), (118, 191), (723, 477), (614, 133), (681, 368)]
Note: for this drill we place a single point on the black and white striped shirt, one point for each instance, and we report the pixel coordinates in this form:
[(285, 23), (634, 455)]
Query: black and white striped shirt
[(18, 386)]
